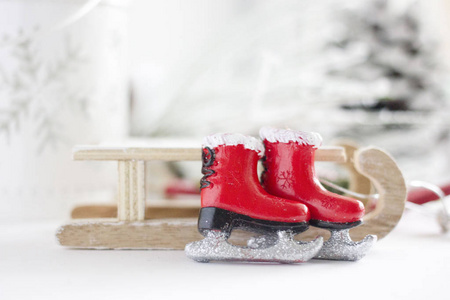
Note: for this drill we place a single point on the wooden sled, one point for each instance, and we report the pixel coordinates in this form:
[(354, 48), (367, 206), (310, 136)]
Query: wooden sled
[(160, 226)]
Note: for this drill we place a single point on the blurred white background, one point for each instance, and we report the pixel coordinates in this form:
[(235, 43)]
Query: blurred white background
[(260, 62)]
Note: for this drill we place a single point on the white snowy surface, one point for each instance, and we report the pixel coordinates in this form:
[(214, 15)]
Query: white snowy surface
[(413, 262), (274, 135), (233, 139)]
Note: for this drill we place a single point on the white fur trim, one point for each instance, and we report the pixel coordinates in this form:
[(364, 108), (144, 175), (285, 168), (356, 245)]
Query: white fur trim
[(286, 135), (233, 139)]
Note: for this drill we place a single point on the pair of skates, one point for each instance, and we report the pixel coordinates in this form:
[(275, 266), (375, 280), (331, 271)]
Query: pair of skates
[(288, 200)]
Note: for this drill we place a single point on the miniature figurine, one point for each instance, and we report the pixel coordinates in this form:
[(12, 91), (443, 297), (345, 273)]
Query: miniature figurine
[(289, 173), (232, 197), (127, 225)]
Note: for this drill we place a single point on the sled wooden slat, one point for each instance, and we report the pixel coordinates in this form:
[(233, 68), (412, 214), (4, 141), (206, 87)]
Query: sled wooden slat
[(151, 153), (131, 193), (166, 209), (334, 154)]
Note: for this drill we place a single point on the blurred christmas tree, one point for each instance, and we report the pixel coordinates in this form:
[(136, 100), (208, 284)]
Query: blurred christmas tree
[(393, 55), (402, 106)]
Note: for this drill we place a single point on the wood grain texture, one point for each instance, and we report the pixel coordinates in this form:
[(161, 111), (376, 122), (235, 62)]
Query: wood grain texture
[(131, 190), (336, 154), (140, 190), (124, 191), (389, 183), (113, 234), (151, 212)]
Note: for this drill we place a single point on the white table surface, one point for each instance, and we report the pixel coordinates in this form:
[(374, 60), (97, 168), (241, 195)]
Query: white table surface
[(413, 262)]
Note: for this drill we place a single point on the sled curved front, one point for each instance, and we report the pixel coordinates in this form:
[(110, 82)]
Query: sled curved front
[(390, 185)]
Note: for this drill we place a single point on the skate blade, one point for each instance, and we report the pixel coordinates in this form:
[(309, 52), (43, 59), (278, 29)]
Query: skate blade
[(215, 247), (340, 247)]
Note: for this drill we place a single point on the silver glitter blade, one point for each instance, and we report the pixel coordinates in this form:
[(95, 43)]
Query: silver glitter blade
[(215, 247), (263, 241), (340, 247)]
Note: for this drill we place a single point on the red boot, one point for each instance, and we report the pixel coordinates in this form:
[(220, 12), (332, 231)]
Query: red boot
[(232, 197), (231, 193), (289, 173)]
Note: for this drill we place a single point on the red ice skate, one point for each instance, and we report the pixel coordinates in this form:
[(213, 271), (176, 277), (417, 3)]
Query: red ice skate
[(232, 198), (289, 173)]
